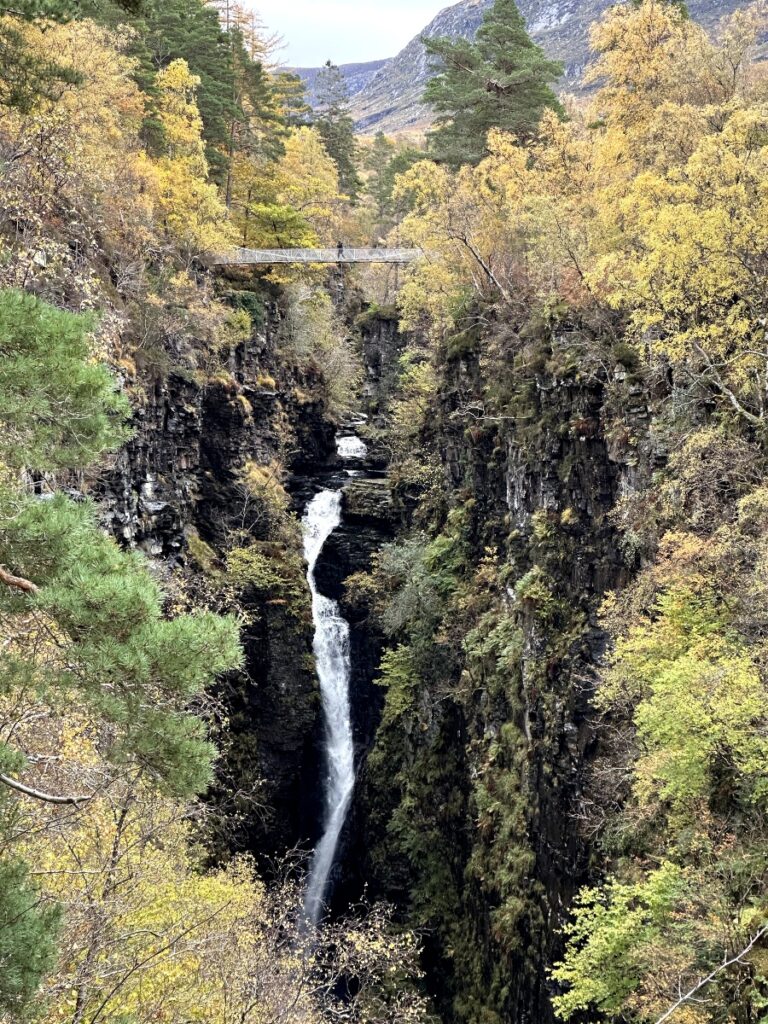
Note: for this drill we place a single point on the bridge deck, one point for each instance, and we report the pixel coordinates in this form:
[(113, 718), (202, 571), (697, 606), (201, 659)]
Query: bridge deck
[(244, 257)]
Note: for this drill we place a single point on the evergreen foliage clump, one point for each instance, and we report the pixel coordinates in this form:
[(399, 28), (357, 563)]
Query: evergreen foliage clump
[(63, 417), (386, 162), (336, 127), (501, 80), (28, 930), (134, 668), (190, 30), (83, 622)]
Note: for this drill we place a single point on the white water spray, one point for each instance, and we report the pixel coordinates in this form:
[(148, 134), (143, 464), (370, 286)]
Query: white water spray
[(331, 646)]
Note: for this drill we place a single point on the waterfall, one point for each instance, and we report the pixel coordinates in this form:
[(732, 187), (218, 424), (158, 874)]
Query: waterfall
[(331, 646), (351, 447)]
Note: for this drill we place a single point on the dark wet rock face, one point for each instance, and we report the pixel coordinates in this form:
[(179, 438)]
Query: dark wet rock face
[(535, 487), (382, 345), (183, 465), (180, 477), (367, 523), (368, 520), (272, 743), (150, 495)]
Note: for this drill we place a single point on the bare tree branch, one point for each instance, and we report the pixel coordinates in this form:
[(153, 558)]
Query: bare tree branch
[(486, 267), (720, 384), (46, 797), (710, 977)]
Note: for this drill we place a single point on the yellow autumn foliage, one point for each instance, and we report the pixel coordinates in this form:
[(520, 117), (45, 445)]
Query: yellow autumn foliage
[(80, 150), (189, 207), (149, 932), (309, 182), (292, 202), (647, 204), (76, 151)]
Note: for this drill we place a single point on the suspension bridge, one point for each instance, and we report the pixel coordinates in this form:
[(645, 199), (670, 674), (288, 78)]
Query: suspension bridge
[(256, 257)]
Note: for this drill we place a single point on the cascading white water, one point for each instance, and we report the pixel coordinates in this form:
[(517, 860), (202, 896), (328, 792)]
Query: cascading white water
[(331, 646), (351, 447)]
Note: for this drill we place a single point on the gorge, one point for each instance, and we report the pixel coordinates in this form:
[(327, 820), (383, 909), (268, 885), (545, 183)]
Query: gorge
[(383, 643)]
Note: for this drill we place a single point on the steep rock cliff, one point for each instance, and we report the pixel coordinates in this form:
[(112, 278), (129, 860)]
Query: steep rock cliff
[(176, 492), (471, 798)]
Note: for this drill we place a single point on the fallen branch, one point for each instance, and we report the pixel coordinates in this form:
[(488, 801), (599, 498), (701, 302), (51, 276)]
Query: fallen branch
[(17, 581), (711, 977), (46, 797)]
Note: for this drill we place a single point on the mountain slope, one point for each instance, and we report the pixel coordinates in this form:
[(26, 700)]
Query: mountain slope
[(357, 77), (391, 99)]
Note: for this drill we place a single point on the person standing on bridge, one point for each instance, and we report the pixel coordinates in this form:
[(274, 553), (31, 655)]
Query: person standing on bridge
[(340, 248)]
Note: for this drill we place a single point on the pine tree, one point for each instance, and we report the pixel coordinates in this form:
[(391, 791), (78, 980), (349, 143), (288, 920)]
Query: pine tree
[(58, 409), (134, 669), (336, 127), (190, 30), (501, 80), (291, 98), (376, 160), (221, 47), (27, 938), (385, 163)]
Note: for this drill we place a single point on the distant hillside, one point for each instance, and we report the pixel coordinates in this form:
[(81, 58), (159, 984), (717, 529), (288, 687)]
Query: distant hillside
[(390, 100), (357, 76)]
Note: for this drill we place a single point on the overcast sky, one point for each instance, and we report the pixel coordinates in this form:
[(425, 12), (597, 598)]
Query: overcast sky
[(345, 31)]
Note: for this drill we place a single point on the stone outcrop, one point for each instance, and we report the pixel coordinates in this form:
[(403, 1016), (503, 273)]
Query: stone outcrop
[(551, 462), (539, 484), (382, 343)]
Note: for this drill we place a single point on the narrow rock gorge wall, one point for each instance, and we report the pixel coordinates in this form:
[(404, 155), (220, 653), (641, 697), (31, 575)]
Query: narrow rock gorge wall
[(381, 345), (192, 437), (467, 806), (176, 492), (470, 801)]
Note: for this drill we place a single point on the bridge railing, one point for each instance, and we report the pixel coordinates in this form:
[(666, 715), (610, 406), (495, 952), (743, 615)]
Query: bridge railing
[(238, 257)]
